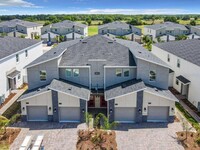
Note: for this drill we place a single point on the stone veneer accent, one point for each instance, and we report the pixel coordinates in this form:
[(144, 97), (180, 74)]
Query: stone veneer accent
[(55, 106), (82, 107), (111, 107), (139, 107)]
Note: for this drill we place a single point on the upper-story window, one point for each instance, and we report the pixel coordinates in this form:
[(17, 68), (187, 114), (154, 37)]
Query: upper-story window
[(126, 72), (43, 75), (26, 53), (68, 72), (76, 72), (17, 57), (118, 72), (168, 58), (178, 63), (152, 75)]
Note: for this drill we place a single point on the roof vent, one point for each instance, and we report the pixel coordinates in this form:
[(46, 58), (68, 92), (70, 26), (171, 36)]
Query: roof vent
[(39, 89), (69, 88), (156, 89), (54, 53), (139, 52), (110, 42), (84, 42)]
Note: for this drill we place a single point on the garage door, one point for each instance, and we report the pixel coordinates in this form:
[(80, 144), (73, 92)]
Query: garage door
[(37, 113), (158, 114), (69, 114), (125, 114)]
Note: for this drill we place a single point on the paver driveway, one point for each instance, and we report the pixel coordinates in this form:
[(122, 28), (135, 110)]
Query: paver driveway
[(148, 136), (145, 136)]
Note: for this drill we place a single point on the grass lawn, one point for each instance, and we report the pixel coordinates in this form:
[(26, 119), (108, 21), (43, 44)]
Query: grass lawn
[(92, 30), (4, 146)]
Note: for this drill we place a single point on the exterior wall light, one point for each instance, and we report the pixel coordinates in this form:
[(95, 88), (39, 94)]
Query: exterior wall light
[(49, 108), (23, 108), (111, 110), (145, 109), (55, 110), (172, 109), (139, 110), (83, 110)]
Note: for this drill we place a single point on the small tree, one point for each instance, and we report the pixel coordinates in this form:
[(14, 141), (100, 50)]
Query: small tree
[(89, 21), (47, 23), (186, 128), (181, 37), (193, 22), (22, 36)]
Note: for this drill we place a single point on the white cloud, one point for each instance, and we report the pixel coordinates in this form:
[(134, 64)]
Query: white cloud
[(3, 10), (18, 3)]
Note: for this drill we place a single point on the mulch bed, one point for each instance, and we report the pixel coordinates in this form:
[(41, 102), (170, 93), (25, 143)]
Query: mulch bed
[(7, 99), (96, 139), (190, 142), (10, 135)]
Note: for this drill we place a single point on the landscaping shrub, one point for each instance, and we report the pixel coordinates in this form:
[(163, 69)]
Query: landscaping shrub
[(15, 118), (198, 140)]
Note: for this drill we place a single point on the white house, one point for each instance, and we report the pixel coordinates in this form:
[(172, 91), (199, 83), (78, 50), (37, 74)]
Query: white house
[(166, 28), (18, 27), (15, 54), (98, 74), (184, 59)]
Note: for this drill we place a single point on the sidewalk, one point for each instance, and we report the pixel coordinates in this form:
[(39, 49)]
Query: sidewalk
[(7, 105)]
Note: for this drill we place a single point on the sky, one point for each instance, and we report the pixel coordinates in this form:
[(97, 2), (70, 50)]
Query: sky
[(23, 7)]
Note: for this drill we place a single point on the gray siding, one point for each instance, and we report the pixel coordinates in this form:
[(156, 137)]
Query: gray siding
[(112, 79), (83, 78), (33, 73), (162, 74)]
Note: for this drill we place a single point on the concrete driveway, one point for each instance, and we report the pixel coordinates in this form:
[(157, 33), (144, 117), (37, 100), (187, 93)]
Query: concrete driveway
[(145, 136)]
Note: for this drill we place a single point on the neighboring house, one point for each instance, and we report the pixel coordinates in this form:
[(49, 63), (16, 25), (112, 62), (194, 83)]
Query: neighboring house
[(166, 28), (18, 27), (183, 57), (98, 74), (15, 54), (70, 30), (118, 28)]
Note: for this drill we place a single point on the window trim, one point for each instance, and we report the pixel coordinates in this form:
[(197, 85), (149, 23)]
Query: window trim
[(66, 72), (17, 58), (168, 58), (150, 75), (26, 53), (45, 75), (120, 72), (178, 63), (124, 70)]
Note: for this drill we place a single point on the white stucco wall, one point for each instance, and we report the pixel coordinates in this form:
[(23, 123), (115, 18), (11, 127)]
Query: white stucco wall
[(187, 69), (43, 99), (9, 63), (157, 101), (129, 100), (68, 100)]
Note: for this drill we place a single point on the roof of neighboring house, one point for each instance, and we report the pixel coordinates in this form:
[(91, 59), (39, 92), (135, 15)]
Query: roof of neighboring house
[(97, 47), (185, 49), (168, 25), (196, 26), (183, 79), (161, 92), (14, 22), (68, 24), (70, 88), (141, 53), (124, 88), (53, 53), (11, 45), (33, 92)]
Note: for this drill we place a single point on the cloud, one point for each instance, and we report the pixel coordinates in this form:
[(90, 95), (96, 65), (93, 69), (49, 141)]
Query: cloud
[(3, 10), (18, 3)]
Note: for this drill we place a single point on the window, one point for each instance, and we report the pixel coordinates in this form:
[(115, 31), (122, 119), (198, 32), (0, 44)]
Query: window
[(178, 63), (126, 72), (19, 76), (177, 82), (76, 72), (118, 72), (26, 53), (68, 72), (43, 75), (17, 58), (152, 76), (168, 58)]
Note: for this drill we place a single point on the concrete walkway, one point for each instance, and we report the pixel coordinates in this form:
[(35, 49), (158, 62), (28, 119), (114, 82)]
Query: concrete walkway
[(8, 104), (190, 111)]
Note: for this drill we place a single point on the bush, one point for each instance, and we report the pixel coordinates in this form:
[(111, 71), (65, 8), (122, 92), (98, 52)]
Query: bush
[(198, 140), (15, 118)]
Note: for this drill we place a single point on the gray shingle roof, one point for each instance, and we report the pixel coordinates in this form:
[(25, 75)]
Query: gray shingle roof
[(68, 23), (185, 49), (141, 53), (167, 25), (11, 45), (53, 53), (97, 47), (14, 22), (161, 92), (70, 88), (124, 88), (183, 79), (33, 92)]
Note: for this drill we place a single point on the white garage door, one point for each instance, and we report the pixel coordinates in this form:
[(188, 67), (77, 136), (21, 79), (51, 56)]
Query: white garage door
[(69, 114), (125, 114), (157, 114), (37, 113)]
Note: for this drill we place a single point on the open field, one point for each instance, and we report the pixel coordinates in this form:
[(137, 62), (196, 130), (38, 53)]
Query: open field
[(92, 30)]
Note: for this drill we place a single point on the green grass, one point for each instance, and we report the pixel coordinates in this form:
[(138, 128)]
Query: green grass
[(190, 119), (4, 146), (92, 30)]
